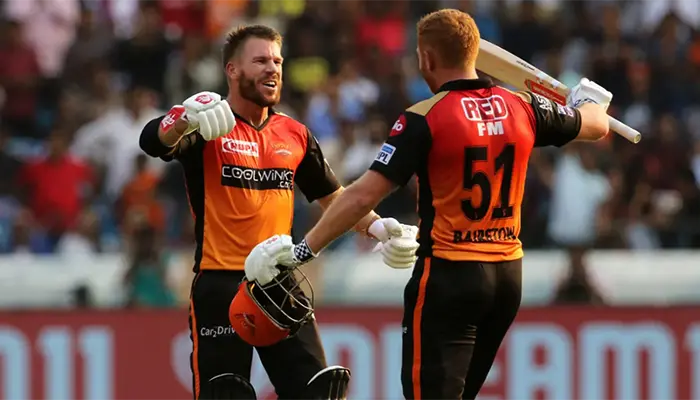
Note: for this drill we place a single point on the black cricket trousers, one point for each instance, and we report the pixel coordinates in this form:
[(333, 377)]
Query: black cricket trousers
[(216, 349), (456, 315)]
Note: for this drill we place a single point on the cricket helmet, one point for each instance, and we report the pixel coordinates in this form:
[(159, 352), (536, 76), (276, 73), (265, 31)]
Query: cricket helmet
[(266, 315)]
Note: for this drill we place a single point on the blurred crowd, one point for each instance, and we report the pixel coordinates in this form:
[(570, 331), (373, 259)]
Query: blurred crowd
[(79, 79)]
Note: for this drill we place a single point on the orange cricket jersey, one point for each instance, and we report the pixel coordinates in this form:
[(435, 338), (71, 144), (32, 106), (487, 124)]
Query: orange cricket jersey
[(469, 146), (241, 186)]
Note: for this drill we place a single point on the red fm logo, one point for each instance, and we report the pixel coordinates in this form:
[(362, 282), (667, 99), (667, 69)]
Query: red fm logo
[(478, 109)]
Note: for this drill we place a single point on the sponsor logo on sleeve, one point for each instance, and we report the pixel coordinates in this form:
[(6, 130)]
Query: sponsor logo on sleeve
[(398, 127), (385, 154), (565, 110), (542, 102)]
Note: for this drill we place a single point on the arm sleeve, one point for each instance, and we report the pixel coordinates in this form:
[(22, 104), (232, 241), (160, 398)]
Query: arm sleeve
[(405, 150), (555, 125), (150, 142), (314, 176)]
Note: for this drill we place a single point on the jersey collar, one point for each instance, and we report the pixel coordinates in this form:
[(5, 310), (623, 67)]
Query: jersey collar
[(466, 84), (270, 114)]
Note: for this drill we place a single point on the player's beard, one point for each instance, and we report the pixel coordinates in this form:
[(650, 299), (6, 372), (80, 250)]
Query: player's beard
[(248, 89)]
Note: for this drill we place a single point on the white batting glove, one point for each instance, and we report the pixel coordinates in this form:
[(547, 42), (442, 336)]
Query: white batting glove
[(397, 242), (588, 91), (261, 263), (208, 113)]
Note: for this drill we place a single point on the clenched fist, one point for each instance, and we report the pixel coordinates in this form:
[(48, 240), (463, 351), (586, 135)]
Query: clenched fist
[(208, 113), (588, 91)]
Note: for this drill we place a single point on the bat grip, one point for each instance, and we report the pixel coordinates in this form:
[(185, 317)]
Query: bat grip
[(625, 131)]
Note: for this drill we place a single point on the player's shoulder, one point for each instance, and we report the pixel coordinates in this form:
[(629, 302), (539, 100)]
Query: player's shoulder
[(422, 108), (289, 121), (520, 94), (291, 124)]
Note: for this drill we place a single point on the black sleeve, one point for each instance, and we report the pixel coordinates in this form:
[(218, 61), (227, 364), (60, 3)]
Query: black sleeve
[(406, 148), (150, 142), (314, 176), (555, 125)]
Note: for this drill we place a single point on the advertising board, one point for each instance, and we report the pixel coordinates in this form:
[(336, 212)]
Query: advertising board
[(550, 353)]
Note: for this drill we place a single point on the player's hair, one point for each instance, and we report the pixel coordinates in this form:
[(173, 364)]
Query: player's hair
[(453, 34), (238, 36)]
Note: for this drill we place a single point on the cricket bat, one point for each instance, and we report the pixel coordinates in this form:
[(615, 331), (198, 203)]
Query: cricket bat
[(514, 71)]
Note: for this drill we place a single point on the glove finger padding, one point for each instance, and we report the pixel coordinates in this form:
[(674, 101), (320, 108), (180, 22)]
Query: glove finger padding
[(213, 119), (400, 252), (267, 275), (395, 259), (392, 226), (228, 115), (204, 126), (398, 261)]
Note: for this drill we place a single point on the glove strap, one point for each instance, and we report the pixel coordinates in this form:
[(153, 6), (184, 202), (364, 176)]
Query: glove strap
[(303, 253), (583, 101)]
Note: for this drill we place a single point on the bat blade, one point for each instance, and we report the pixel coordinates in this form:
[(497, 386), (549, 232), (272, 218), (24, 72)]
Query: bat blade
[(516, 72)]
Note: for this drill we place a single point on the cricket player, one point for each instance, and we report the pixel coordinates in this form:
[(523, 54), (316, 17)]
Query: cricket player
[(469, 147), (241, 162)]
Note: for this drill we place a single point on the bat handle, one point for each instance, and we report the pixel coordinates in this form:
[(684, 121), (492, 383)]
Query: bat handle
[(625, 131)]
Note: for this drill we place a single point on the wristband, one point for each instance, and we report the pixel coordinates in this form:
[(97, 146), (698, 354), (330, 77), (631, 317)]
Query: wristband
[(171, 118), (303, 253)]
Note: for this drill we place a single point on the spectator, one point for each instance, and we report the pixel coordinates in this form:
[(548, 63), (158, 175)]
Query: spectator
[(84, 239), (361, 150), (192, 69), (182, 18), (527, 35), (49, 28), (579, 191), (139, 196), (382, 27), (577, 287), (323, 118), (144, 58), (111, 142), (356, 93), (10, 167), (28, 237), (20, 77), (56, 187), (145, 279), (93, 42)]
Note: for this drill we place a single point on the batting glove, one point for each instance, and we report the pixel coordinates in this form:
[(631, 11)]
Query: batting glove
[(208, 113), (397, 242), (588, 91), (261, 263)]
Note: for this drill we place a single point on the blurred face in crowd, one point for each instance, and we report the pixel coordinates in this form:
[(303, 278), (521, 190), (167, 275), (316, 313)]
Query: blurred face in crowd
[(150, 21), (58, 144), (139, 99), (257, 71)]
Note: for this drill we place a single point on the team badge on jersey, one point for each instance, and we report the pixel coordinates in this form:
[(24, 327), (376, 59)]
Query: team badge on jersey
[(385, 154), (399, 126)]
